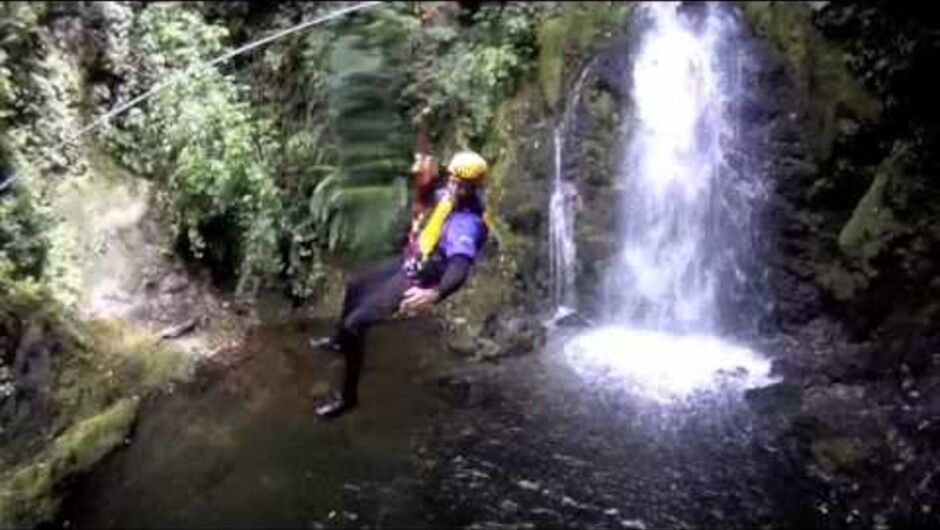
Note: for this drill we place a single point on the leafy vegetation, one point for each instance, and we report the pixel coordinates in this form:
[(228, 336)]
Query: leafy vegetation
[(23, 242), (201, 137), (475, 63)]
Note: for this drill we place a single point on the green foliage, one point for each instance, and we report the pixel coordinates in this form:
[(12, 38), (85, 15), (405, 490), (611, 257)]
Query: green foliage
[(220, 174), (567, 34), (372, 136), (20, 297), (473, 69), (290, 89), (18, 20), (201, 136), (23, 241), (7, 87), (551, 63)]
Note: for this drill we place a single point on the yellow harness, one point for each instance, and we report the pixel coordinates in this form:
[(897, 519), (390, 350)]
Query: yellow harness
[(430, 234)]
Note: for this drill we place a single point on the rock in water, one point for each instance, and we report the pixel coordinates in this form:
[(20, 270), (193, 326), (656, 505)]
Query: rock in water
[(174, 283), (179, 329), (573, 320)]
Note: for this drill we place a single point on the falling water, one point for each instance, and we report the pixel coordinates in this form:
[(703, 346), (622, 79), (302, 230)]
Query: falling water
[(561, 233), (682, 242), (672, 172), (564, 197)]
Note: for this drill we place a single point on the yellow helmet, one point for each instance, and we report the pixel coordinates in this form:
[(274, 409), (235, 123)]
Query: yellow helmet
[(468, 166)]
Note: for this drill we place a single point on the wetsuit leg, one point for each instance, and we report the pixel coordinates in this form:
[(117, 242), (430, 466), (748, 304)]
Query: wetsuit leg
[(375, 306), (360, 285)]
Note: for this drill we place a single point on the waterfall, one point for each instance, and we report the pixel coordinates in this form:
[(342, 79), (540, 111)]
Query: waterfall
[(562, 203), (561, 234), (685, 215)]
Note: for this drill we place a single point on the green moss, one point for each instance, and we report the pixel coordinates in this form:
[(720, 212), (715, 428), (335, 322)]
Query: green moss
[(501, 148), (101, 369), (588, 21), (512, 181), (28, 496), (571, 33), (872, 223), (491, 288), (598, 147), (817, 66), (838, 282), (146, 363), (841, 454), (551, 39), (786, 27)]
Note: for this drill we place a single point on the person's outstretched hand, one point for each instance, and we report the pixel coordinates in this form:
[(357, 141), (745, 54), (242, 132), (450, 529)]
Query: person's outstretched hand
[(417, 299)]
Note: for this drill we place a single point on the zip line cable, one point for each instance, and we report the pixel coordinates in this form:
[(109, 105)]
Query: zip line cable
[(181, 76)]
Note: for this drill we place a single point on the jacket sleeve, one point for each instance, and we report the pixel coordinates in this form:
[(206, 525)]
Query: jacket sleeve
[(456, 273)]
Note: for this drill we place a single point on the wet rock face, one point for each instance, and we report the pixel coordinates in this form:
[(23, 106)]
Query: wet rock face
[(590, 158), (516, 332), (591, 162), (892, 48), (848, 213), (99, 33), (852, 324), (505, 333), (855, 217), (25, 381)]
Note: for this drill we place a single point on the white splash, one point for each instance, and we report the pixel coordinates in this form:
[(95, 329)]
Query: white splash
[(665, 367)]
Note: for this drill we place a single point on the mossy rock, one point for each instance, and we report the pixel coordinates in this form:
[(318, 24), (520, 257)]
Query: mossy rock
[(28, 495), (818, 68), (551, 39), (841, 284), (842, 454), (873, 222), (568, 37), (116, 360), (516, 202), (99, 371)]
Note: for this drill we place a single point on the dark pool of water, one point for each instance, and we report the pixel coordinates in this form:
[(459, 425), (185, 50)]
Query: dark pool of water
[(520, 443)]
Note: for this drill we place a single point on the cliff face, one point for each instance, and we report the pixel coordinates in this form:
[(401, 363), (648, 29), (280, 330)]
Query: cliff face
[(852, 254)]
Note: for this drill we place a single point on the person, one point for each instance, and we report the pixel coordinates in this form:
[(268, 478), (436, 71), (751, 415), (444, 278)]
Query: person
[(443, 242)]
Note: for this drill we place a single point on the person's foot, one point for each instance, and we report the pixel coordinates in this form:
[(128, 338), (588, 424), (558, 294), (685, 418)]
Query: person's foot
[(334, 406), (325, 343)]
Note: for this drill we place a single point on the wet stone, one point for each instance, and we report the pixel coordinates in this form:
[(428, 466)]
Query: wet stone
[(528, 485), (173, 283)]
